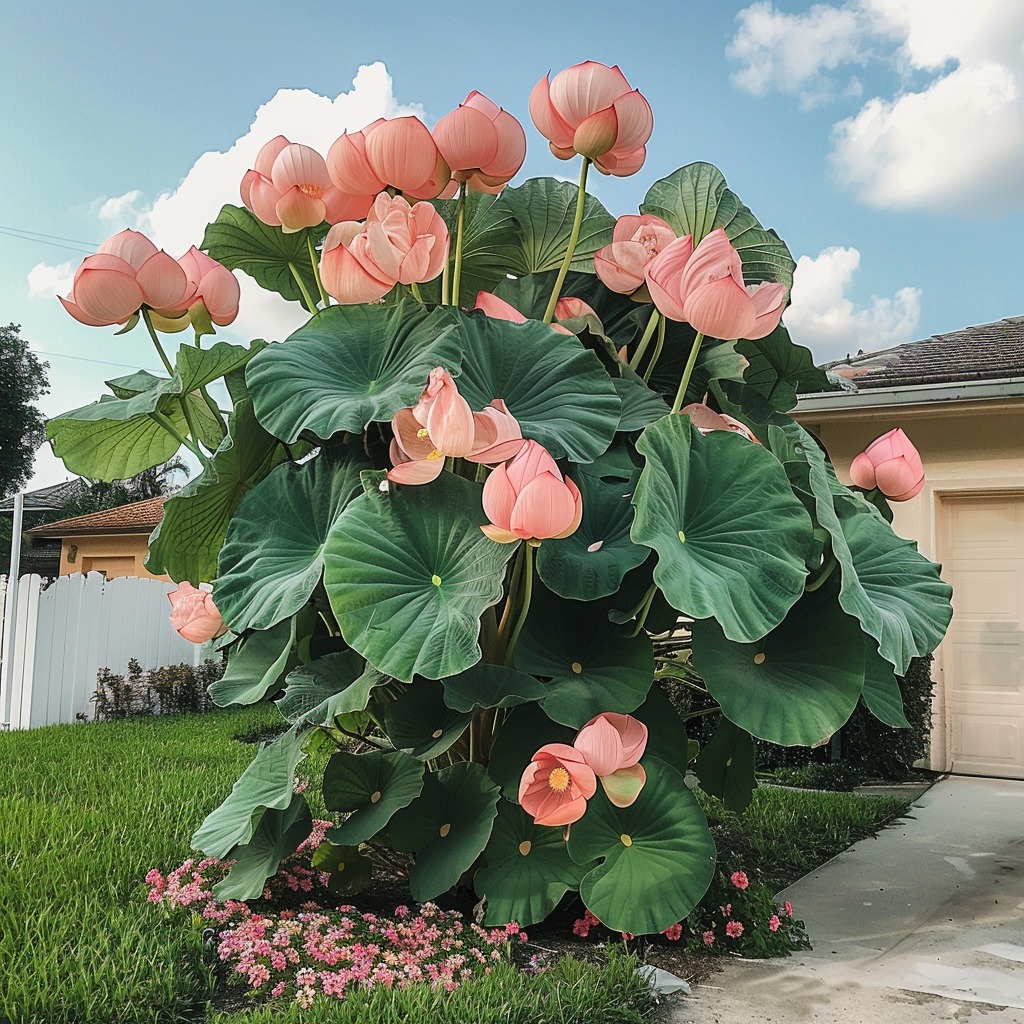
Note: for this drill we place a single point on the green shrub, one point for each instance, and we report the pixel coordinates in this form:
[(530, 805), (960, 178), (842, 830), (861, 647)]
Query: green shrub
[(169, 690)]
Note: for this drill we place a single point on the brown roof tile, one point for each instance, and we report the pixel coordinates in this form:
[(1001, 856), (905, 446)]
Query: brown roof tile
[(986, 352), (139, 516)]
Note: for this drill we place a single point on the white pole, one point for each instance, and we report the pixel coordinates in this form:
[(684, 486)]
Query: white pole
[(11, 627)]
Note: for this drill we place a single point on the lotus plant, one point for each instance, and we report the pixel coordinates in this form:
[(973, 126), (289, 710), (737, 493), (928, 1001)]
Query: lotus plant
[(471, 553)]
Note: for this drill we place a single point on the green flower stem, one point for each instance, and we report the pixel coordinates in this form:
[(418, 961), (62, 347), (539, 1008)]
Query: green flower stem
[(645, 339), (307, 299), (510, 600), (416, 293), (645, 608), (489, 636), (159, 417), (687, 373), (214, 409), (460, 219), (574, 237), (662, 323), (524, 608), (446, 282), (315, 263), (818, 578), (183, 399)]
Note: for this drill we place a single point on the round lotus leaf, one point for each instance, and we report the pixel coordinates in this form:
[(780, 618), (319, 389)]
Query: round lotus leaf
[(590, 664), (558, 391), (447, 827), (420, 722), (491, 686), (370, 787), (409, 573), (666, 731), (273, 555), (797, 685), (729, 532), (528, 869), (656, 856), (350, 366)]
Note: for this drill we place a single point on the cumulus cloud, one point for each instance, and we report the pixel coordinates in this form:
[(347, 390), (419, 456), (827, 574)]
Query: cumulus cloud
[(176, 219), (46, 280), (830, 324), (951, 136)]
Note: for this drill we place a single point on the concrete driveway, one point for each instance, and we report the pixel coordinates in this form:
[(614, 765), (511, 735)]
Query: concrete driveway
[(922, 923)]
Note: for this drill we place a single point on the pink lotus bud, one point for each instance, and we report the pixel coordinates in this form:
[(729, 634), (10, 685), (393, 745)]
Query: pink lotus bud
[(705, 419), (556, 785), (704, 287), (591, 109), (527, 499), (194, 615), (612, 745), (482, 144), (212, 284), (892, 464), (347, 267), (407, 243), (499, 309)]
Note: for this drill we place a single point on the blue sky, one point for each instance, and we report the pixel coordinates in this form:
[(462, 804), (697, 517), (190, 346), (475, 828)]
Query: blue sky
[(882, 139)]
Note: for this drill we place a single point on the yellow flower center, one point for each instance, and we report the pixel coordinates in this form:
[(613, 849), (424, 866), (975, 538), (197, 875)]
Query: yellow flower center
[(436, 454), (558, 780), (316, 191), (422, 434)]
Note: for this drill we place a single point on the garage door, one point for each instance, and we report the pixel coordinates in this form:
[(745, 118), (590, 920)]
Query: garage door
[(983, 653)]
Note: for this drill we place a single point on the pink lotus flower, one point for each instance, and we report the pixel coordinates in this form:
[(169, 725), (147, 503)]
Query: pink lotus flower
[(636, 240), (194, 615), (290, 188), (482, 144), (591, 109), (399, 153), (556, 785), (612, 744), (567, 308), (442, 423), (126, 273), (704, 287), (705, 419), (398, 244), (892, 464), (739, 879), (527, 499), (211, 285)]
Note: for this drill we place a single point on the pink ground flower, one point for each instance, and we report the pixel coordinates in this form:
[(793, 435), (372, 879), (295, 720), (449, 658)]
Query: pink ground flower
[(734, 929), (788, 907), (739, 879), (673, 932), (708, 938), (773, 923)]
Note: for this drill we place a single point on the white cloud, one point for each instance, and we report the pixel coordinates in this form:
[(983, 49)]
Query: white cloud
[(791, 52), (829, 323), (46, 280), (951, 139), (176, 219)]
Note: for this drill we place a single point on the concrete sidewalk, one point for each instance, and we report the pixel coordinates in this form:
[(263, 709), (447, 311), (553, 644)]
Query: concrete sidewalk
[(922, 923)]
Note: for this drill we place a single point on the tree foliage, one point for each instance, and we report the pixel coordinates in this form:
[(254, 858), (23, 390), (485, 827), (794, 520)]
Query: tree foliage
[(22, 380)]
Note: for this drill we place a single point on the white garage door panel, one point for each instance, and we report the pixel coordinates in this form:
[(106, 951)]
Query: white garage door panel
[(983, 653)]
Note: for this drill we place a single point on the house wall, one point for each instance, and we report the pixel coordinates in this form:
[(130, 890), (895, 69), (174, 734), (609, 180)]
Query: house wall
[(115, 554), (972, 452)]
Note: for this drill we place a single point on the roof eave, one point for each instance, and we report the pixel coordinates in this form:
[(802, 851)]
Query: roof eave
[(917, 394)]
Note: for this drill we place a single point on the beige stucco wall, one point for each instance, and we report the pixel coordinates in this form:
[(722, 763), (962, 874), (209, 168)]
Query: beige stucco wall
[(967, 448), (116, 554)]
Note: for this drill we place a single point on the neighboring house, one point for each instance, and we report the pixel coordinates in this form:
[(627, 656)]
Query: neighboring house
[(113, 542), (960, 399), (41, 554)]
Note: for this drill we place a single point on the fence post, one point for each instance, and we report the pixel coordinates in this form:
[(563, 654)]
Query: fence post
[(10, 627)]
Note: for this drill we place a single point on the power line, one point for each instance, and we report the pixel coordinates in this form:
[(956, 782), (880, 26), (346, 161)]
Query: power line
[(52, 240)]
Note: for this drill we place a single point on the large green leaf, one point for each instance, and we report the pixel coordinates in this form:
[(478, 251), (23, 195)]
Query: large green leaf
[(695, 200), (241, 241), (557, 390), (796, 686), (491, 686), (545, 209), (447, 827), (349, 870), (729, 532), (278, 836), (350, 366), (882, 693), (778, 369), (273, 554), (256, 665), (409, 572), (314, 691), (420, 722), (592, 562), (666, 731), (187, 541), (528, 869), (590, 665), (656, 856), (197, 367), (268, 782), (369, 788), (725, 766)]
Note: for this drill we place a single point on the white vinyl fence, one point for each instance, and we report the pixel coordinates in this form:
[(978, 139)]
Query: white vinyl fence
[(66, 633)]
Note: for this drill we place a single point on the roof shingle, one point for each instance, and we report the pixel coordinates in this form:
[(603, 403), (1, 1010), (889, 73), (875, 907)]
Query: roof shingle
[(139, 515)]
